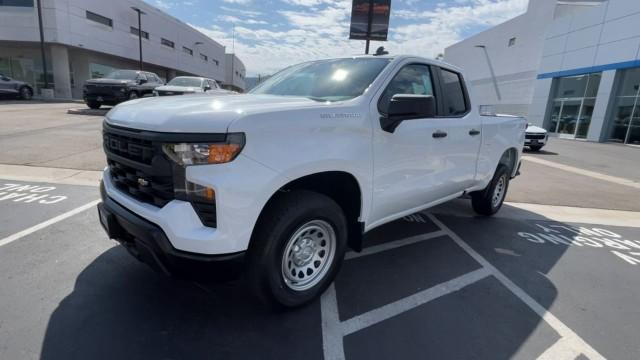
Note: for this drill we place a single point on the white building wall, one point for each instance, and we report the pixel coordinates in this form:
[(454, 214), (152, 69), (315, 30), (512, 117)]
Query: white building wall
[(235, 72), (603, 38), (65, 23), (516, 67)]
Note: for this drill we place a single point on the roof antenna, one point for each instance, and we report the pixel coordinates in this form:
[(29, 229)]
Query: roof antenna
[(381, 51)]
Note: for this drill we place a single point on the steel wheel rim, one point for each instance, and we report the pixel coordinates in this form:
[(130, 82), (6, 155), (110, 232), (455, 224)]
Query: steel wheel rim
[(498, 192), (308, 255), (133, 96)]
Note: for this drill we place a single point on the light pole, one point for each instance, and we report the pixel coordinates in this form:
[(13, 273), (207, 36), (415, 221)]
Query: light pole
[(493, 74), (44, 58), (140, 13)]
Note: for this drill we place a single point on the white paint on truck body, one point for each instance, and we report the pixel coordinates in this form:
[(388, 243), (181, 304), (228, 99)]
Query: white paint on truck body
[(291, 137)]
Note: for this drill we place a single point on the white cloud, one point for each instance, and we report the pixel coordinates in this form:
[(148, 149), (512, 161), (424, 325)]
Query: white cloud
[(237, 20), (240, 2), (323, 32), (249, 13)]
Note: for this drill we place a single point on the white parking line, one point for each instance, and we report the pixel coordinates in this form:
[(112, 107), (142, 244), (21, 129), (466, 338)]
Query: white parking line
[(572, 343), (579, 171), (11, 238), (398, 307)]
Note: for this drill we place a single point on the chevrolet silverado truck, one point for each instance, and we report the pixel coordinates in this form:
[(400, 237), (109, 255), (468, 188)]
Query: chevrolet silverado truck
[(274, 186), (119, 86)]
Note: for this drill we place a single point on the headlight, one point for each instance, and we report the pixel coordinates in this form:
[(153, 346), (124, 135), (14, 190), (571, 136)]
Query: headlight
[(186, 154)]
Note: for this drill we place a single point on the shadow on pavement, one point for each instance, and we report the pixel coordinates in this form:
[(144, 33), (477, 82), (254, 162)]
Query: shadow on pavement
[(119, 309), (539, 152)]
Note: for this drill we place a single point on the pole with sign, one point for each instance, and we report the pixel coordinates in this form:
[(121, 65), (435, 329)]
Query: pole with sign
[(370, 20)]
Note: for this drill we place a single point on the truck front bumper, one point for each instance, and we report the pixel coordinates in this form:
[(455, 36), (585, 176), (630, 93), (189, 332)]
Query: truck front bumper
[(149, 244)]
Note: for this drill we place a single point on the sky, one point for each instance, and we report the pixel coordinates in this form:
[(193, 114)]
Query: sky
[(273, 34)]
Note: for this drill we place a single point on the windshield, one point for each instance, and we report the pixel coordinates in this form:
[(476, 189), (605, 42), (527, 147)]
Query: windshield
[(185, 81), (123, 75), (325, 80)]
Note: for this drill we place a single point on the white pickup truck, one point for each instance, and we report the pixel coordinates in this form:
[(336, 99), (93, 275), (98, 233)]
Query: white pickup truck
[(277, 184)]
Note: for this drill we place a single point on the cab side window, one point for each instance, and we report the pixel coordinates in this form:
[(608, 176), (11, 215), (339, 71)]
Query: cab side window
[(414, 79), (455, 103)]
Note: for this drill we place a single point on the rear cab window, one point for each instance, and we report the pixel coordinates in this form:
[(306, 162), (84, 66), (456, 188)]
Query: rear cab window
[(454, 97)]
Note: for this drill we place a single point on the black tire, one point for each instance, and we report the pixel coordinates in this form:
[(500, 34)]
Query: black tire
[(483, 201), (285, 217), (133, 95), (535, 148), (26, 93), (93, 105)]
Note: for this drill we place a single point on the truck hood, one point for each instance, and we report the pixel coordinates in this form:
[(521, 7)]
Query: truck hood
[(532, 129), (199, 113), (178, 88)]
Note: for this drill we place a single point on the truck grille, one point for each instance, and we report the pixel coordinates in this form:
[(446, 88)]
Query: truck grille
[(138, 167), (535, 136)]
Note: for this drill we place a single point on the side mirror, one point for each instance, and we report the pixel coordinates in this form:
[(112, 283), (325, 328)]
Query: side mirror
[(4, 78), (207, 87), (142, 81), (407, 107)]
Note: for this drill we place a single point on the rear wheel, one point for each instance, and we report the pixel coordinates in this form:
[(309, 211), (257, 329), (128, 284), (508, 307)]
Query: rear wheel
[(26, 93), (297, 248), (489, 201), (93, 105)]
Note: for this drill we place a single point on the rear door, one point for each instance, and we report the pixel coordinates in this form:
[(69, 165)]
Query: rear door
[(464, 127)]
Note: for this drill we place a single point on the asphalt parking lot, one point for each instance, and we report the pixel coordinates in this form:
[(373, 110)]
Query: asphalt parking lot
[(553, 276)]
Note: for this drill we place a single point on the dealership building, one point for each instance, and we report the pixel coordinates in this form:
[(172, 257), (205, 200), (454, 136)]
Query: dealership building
[(572, 67), (89, 38)]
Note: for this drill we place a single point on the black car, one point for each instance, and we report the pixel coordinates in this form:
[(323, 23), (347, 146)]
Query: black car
[(119, 86), (21, 89)]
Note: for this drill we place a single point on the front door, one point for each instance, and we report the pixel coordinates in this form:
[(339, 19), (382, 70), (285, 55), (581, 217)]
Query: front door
[(416, 164)]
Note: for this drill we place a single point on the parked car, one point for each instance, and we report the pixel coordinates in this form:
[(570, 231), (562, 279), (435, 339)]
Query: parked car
[(182, 85), (119, 86), (17, 88), (535, 137), (279, 182)]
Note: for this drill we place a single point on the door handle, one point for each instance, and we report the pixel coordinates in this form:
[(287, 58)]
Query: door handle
[(439, 134), (474, 132)]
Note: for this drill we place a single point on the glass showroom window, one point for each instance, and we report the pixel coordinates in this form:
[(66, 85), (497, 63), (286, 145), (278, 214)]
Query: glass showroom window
[(625, 121), (573, 103)]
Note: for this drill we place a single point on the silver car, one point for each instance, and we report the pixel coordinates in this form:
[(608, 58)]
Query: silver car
[(9, 86), (182, 85)]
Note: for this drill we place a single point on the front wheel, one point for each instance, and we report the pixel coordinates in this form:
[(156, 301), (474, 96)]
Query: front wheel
[(133, 95), (298, 248), (535, 148), (489, 201)]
